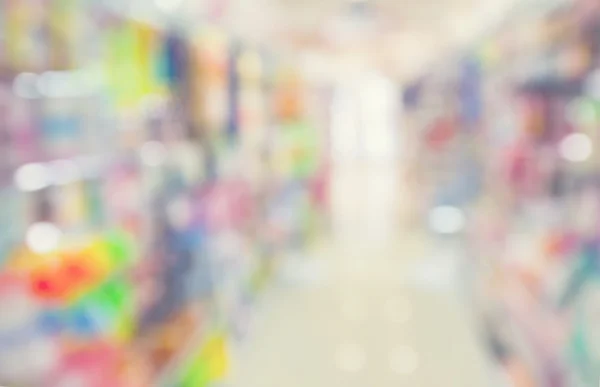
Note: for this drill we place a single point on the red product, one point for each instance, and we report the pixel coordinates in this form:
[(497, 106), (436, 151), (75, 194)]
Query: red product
[(441, 133), (320, 188), (47, 285), (523, 172)]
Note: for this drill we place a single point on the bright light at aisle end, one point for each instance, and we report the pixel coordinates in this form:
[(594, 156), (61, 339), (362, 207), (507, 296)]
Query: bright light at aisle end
[(446, 220), (43, 237), (576, 147)]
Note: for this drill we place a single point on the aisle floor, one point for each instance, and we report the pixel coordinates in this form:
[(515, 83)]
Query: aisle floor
[(368, 306)]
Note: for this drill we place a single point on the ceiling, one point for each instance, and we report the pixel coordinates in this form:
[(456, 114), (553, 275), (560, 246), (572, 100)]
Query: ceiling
[(400, 36), (334, 37)]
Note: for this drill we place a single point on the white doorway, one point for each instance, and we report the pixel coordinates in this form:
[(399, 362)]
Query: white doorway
[(365, 144)]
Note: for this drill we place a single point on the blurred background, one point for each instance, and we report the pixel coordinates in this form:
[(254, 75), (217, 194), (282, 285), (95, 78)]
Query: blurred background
[(278, 193)]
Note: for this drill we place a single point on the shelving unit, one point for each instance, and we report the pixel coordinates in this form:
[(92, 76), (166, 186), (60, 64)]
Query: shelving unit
[(188, 183), (522, 170)]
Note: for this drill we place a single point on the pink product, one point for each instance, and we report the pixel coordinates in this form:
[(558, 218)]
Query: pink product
[(123, 195), (95, 366), (20, 128), (522, 171), (538, 335), (225, 205), (320, 188)]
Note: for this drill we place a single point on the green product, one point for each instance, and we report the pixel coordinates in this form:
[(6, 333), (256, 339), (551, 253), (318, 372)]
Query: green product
[(116, 296), (121, 67), (210, 364), (121, 247), (301, 140), (112, 302), (197, 373)]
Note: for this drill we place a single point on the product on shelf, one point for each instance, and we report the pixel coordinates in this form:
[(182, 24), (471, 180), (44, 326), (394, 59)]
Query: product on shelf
[(528, 113), (135, 173)]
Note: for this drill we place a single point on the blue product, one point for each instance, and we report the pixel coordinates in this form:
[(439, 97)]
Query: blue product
[(17, 336), (52, 322), (587, 266), (584, 349), (61, 126), (174, 66), (470, 95), (411, 96), (82, 322), (464, 183), (174, 252)]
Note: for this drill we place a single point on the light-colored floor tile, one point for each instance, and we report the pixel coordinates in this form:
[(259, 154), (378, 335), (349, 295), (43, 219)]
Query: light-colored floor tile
[(369, 308)]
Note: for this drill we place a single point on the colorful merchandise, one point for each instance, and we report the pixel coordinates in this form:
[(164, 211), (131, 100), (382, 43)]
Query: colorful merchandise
[(525, 182), (138, 189)]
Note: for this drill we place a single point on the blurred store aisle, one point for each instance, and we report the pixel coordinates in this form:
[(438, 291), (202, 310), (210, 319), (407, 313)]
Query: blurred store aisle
[(371, 308)]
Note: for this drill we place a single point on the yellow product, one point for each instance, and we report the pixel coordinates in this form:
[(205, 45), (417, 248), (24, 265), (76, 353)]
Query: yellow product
[(217, 357), (99, 254), (122, 65), (210, 365), (72, 204), (17, 19), (147, 59), (63, 33), (25, 261), (125, 329)]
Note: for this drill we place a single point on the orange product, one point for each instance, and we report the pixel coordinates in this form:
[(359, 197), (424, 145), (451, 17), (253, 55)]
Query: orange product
[(519, 374), (78, 274)]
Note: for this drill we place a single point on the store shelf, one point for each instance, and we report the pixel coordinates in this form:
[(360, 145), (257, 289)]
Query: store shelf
[(78, 169), (530, 222)]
